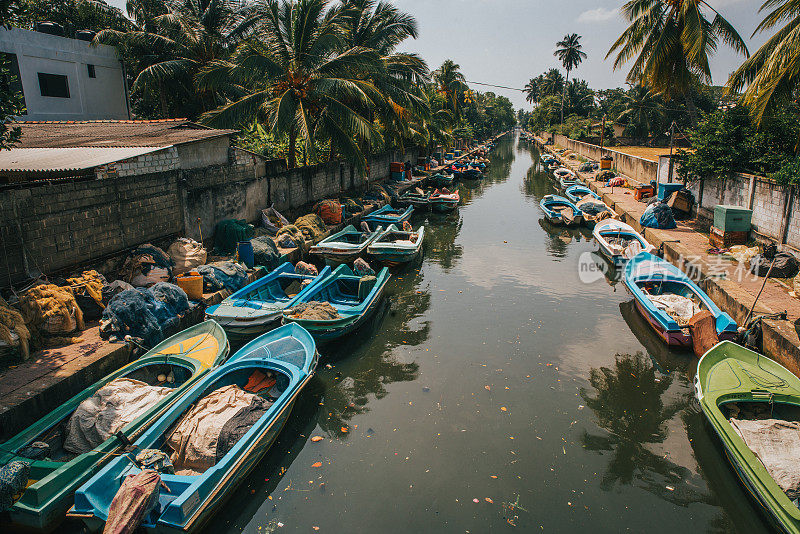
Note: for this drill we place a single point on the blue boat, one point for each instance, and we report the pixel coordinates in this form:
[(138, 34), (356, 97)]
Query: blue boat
[(388, 215), (394, 246), (258, 307), (579, 192), (560, 211), (344, 246), (667, 299), (288, 354), (354, 298)]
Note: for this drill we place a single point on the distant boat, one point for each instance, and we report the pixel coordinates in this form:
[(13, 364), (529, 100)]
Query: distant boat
[(387, 215), (441, 180), (472, 174), (185, 357), (344, 246), (187, 501), (667, 298), (444, 202), (619, 242), (565, 177), (747, 397), (421, 201), (395, 246), (578, 192), (560, 211), (354, 298), (258, 307)]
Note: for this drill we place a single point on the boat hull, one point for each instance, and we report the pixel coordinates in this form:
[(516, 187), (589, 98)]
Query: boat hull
[(441, 206), (330, 332)]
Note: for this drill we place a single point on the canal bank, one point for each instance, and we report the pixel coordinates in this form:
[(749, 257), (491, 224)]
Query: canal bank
[(728, 283)]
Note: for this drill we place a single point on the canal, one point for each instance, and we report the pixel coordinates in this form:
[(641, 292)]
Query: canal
[(497, 390)]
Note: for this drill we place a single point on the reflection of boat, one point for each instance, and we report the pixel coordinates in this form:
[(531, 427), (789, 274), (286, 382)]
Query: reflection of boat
[(354, 298), (619, 242), (185, 357), (560, 211), (753, 402), (344, 246), (286, 358), (387, 215), (395, 246), (257, 307), (668, 299), (578, 192), (444, 201), (665, 358)]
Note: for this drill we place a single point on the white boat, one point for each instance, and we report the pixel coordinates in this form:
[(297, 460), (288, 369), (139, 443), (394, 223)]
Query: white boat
[(619, 242)]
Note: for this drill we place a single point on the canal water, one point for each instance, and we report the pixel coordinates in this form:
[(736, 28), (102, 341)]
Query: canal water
[(497, 391)]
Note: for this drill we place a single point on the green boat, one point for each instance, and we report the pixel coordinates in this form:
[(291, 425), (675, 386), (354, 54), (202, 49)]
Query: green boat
[(186, 357), (750, 400)]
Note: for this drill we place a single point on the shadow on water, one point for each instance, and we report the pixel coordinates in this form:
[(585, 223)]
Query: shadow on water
[(665, 359)]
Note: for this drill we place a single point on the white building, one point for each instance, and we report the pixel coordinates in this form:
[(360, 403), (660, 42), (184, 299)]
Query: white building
[(66, 79)]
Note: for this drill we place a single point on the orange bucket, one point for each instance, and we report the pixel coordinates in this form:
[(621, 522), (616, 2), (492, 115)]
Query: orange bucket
[(192, 284)]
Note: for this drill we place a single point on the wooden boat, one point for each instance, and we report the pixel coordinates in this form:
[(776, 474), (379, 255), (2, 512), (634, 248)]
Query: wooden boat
[(619, 242), (441, 180), (344, 246), (288, 352), (187, 356), (560, 211), (472, 174), (733, 384), (258, 307), (394, 246), (658, 286), (578, 192), (355, 300), (547, 159), (418, 199), (387, 215), (444, 202)]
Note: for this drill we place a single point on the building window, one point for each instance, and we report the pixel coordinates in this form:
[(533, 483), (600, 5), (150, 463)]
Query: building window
[(92, 73), (55, 85)]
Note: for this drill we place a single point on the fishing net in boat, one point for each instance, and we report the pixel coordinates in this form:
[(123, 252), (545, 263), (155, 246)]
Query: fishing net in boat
[(306, 268), (13, 480), (314, 311), (777, 444), (680, 308), (111, 408), (137, 496), (312, 226)]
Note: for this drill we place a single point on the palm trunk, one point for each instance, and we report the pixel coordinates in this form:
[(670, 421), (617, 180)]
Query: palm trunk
[(162, 97), (291, 156), (563, 92), (691, 108)]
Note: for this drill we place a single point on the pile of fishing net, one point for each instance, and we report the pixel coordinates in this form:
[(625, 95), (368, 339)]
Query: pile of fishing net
[(13, 330), (330, 211), (352, 205), (313, 311), (306, 268), (312, 226), (145, 266), (223, 275), (377, 192), (88, 291), (51, 309), (290, 236), (228, 233), (146, 314), (186, 254)]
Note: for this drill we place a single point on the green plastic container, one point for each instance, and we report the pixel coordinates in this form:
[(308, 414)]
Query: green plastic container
[(732, 218)]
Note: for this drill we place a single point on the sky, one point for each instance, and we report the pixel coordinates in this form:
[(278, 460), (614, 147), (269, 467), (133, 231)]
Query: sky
[(507, 42)]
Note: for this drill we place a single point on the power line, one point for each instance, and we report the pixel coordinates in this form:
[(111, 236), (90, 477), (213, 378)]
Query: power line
[(498, 86)]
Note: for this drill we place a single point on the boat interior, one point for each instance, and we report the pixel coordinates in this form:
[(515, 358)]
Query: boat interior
[(346, 291), (623, 239), (399, 237), (281, 289), (352, 238)]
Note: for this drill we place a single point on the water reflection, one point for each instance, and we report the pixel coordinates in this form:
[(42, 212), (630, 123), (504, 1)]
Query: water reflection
[(440, 239), (664, 358), (559, 237)]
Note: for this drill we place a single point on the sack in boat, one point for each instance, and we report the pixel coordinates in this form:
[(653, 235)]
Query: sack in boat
[(777, 444), (330, 211), (137, 496), (362, 268), (680, 308), (186, 254), (314, 311), (273, 220), (306, 268), (13, 480)]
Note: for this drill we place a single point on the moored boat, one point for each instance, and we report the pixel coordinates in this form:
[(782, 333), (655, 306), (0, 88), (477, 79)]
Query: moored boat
[(578, 192), (417, 198), (354, 299), (258, 307), (444, 201), (668, 299), (472, 174), (441, 180), (753, 405), (344, 246), (176, 363), (395, 246), (619, 242), (387, 215), (560, 211), (281, 363)]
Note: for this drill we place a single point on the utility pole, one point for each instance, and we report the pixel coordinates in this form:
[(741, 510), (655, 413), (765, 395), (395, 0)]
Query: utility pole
[(603, 133), (671, 146)]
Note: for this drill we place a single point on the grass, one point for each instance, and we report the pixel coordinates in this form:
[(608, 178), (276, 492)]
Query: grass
[(644, 152)]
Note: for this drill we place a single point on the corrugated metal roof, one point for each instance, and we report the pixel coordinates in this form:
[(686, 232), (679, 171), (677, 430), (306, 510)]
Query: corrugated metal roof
[(66, 159)]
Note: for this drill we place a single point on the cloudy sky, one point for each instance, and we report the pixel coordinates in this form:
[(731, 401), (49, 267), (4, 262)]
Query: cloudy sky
[(506, 42)]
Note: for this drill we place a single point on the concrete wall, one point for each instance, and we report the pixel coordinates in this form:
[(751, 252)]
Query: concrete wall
[(101, 97), (637, 168), (45, 228)]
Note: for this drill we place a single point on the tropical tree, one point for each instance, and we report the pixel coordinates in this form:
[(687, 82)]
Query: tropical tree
[(569, 52), (579, 98), (672, 42), (772, 74), (452, 84), (531, 91), (551, 83), (641, 110)]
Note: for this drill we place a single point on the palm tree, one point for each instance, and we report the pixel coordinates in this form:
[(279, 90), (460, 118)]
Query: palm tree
[(299, 76), (772, 74), (552, 83), (452, 84), (569, 52), (531, 90), (672, 41), (642, 107)]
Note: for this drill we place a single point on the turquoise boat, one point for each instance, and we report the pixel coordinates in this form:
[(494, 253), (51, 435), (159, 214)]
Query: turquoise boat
[(441, 180), (579, 192), (289, 354), (444, 202), (419, 201), (344, 246), (258, 307), (394, 246), (388, 215), (187, 356), (354, 298), (560, 211), (753, 403)]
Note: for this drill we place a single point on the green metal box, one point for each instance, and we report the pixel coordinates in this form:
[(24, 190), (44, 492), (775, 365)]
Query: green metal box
[(732, 218)]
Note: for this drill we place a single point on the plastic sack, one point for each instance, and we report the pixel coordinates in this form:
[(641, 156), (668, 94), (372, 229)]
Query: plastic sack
[(658, 215), (273, 220), (785, 266), (265, 252), (186, 254)]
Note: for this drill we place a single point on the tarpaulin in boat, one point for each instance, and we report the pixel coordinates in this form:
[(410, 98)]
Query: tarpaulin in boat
[(213, 422), (777, 444), (136, 497), (112, 407), (680, 308)]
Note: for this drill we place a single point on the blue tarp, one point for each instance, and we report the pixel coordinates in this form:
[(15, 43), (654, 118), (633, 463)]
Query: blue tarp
[(145, 313), (658, 215)]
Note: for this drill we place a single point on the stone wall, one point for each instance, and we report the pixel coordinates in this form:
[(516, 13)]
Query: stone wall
[(637, 168), (46, 228)]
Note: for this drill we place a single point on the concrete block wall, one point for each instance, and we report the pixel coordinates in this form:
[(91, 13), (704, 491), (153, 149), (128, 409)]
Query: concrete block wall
[(161, 161), (639, 169)]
